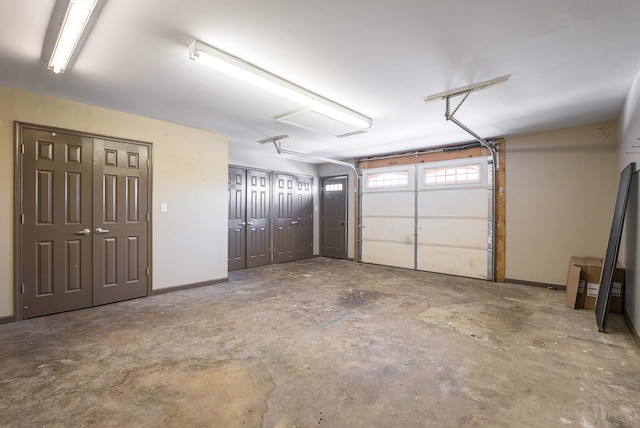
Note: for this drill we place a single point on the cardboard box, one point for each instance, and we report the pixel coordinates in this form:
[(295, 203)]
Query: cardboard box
[(576, 282), (583, 284), (594, 272), (616, 303)]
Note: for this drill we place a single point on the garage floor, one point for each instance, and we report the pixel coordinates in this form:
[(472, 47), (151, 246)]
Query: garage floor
[(323, 343)]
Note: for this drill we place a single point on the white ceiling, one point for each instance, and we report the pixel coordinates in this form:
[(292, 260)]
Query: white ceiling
[(571, 62)]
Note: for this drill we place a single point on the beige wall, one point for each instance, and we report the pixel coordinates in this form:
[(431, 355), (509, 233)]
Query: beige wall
[(561, 189), (189, 174), (630, 246)]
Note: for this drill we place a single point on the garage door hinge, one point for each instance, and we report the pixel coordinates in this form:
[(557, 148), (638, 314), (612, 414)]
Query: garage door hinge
[(22, 148), (21, 288), (22, 218), (148, 271)]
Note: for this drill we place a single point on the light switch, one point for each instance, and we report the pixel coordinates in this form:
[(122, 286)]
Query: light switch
[(163, 207)]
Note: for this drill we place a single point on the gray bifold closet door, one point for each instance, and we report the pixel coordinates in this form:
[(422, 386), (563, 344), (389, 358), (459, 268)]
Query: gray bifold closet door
[(84, 238)]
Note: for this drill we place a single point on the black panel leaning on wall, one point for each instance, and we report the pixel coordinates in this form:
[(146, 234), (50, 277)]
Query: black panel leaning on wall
[(613, 246)]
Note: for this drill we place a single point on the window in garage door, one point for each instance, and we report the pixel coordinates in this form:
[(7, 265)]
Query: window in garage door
[(431, 216)]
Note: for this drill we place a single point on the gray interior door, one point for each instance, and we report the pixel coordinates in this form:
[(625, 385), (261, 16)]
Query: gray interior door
[(269, 217), (258, 207), (237, 219), (284, 242), (84, 238), (334, 217), (303, 215), (120, 187), (56, 260)]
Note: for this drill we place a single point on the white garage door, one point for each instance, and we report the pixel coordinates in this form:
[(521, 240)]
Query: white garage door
[(434, 216), (388, 217)]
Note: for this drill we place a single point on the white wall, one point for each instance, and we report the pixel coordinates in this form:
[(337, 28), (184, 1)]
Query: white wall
[(332, 170), (189, 174), (270, 161), (630, 249), (561, 188)]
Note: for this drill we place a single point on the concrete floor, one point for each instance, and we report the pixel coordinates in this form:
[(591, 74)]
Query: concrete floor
[(324, 343)]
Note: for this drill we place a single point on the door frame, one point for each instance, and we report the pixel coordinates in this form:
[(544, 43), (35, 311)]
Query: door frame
[(346, 212), (18, 198)]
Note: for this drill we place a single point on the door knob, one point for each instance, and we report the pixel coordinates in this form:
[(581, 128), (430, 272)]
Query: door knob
[(84, 232), (101, 231)]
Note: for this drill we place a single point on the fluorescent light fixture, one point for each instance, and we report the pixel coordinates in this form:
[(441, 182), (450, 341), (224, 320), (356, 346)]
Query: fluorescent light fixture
[(249, 73), (73, 24), (468, 89)]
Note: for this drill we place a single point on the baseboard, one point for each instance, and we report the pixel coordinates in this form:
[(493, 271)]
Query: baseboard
[(536, 284), (7, 320), (189, 286), (634, 332)]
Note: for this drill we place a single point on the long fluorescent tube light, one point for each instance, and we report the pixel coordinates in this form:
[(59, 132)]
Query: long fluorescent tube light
[(249, 73), (75, 20), (467, 89)]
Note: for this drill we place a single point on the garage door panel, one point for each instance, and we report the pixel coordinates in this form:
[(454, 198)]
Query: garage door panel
[(467, 232), (388, 254), (388, 223), (388, 204), (467, 202), (453, 261), (394, 229)]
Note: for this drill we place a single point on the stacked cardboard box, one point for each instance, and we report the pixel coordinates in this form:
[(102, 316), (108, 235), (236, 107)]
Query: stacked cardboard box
[(583, 284), (576, 282)]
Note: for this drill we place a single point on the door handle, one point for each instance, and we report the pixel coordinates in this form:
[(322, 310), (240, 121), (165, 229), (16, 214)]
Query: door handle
[(242, 223), (249, 223), (84, 232), (294, 222), (101, 231)]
